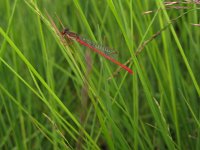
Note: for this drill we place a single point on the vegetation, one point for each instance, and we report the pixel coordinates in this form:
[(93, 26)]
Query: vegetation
[(58, 94)]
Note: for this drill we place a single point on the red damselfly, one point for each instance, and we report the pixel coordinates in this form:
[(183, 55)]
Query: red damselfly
[(105, 51)]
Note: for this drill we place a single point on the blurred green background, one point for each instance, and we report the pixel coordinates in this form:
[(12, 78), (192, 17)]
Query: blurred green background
[(55, 95)]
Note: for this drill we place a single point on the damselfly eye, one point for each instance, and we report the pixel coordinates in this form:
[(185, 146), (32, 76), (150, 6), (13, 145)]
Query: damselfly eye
[(65, 31)]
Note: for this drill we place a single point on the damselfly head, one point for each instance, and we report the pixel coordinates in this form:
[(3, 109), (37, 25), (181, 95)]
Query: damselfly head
[(66, 30)]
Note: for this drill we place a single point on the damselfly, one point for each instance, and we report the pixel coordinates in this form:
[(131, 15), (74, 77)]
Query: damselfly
[(96, 48)]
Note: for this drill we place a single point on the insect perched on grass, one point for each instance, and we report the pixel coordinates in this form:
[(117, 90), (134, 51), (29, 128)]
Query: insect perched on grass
[(96, 48)]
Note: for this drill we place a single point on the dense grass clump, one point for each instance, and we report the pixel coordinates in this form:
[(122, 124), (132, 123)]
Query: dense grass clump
[(58, 94)]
